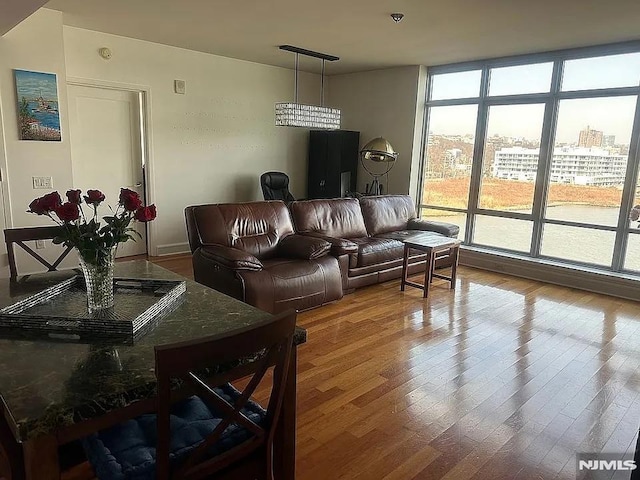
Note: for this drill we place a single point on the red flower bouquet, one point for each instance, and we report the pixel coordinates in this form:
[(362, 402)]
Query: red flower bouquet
[(93, 240)]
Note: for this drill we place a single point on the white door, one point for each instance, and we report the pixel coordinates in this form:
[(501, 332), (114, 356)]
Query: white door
[(106, 148)]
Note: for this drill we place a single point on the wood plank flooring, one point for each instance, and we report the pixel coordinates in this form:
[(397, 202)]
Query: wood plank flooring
[(502, 378)]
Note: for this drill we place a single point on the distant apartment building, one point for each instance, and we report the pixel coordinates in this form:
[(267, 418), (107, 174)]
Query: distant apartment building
[(579, 166), (608, 141), (590, 138)]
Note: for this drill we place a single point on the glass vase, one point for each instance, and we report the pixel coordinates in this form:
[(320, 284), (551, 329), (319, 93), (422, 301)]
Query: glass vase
[(98, 277)]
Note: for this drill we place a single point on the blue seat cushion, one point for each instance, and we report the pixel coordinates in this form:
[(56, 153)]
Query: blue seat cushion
[(127, 451)]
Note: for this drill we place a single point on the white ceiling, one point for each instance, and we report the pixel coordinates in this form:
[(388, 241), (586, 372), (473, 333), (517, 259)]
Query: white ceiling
[(361, 32)]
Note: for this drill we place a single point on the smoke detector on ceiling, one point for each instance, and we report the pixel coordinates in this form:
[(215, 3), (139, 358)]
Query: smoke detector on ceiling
[(397, 17)]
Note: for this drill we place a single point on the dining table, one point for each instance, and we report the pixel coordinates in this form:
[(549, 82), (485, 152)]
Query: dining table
[(56, 389)]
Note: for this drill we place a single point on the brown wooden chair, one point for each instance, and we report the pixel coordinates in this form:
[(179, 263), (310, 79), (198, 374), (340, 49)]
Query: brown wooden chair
[(11, 458), (20, 235), (219, 432)]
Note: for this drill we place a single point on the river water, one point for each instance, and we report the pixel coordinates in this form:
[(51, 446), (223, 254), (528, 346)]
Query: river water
[(563, 242)]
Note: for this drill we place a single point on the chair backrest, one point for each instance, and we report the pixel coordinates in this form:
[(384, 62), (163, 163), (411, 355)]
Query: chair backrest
[(387, 213), (275, 186), (11, 458), (254, 227), (254, 350), (20, 235)]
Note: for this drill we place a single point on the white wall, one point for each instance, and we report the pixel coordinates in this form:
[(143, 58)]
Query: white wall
[(35, 44), (210, 145), (385, 103)]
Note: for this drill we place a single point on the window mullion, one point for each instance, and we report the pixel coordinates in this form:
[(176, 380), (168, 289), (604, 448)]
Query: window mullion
[(545, 159), (478, 154), (628, 194)]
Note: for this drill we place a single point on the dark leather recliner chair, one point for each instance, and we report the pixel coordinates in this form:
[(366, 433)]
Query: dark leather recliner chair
[(251, 252), (275, 186)]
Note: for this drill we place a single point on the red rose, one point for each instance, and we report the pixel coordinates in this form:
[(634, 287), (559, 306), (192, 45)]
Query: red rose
[(45, 204), (145, 214), (94, 197), (130, 200), (68, 212), (74, 196), (37, 207)]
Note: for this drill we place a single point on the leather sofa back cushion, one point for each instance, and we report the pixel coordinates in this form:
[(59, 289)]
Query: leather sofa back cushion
[(338, 218), (255, 227), (387, 213)]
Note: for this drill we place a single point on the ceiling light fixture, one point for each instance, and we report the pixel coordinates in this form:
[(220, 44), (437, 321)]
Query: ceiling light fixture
[(307, 116), (397, 17)]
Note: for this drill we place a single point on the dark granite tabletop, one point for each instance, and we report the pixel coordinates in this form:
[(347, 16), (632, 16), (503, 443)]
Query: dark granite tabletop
[(49, 384)]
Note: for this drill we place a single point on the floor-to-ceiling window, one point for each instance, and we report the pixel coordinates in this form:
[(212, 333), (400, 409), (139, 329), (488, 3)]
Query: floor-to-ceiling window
[(538, 155)]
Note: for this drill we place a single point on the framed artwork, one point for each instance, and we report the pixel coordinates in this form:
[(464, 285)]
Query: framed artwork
[(38, 114)]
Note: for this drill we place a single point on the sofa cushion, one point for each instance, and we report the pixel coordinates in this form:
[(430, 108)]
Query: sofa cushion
[(255, 227), (339, 217), (372, 250), (290, 283), (387, 213)]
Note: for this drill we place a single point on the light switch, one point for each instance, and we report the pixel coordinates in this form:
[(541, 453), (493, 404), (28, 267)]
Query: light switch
[(42, 183), (180, 86)]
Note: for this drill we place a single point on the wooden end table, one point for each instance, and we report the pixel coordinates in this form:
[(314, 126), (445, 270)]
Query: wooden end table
[(434, 247)]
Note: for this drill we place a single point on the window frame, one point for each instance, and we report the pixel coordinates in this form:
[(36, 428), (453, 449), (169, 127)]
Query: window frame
[(551, 100)]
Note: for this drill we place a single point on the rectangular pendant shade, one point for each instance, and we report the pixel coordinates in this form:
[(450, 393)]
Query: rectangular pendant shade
[(307, 116)]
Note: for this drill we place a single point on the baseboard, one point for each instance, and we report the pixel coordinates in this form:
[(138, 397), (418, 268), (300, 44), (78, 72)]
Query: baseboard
[(617, 285), (172, 249)]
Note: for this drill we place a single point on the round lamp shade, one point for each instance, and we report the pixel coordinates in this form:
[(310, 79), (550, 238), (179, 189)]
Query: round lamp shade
[(379, 150)]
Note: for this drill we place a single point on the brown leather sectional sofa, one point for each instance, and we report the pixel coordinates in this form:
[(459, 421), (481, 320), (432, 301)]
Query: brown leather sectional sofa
[(252, 251)]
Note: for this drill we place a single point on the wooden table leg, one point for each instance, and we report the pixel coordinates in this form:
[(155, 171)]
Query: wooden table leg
[(428, 272), (455, 251), (284, 455), (41, 458), (405, 268)]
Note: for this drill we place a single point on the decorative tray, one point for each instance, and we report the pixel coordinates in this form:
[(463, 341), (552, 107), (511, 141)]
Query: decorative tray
[(60, 311)]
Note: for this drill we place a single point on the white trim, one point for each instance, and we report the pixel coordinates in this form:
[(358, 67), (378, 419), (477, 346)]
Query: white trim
[(591, 280), (4, 172), (145, 92), (173, 249)]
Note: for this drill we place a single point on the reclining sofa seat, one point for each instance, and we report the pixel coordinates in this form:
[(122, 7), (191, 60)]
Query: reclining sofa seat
[(366, 235), (250, 251)]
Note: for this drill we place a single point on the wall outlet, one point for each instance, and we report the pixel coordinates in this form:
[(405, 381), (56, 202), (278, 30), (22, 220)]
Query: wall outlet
[(40, 244), (42, 183)]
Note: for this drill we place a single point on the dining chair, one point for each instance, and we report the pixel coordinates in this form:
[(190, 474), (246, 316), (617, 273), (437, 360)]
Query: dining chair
[(11, 459), (19, 236), (204, 426)]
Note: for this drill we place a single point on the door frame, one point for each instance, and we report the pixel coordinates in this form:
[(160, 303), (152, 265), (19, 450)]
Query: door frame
[(146, 135), (5, 198)]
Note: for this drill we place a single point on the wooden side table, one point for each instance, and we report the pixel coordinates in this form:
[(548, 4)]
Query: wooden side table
[(434, 247)]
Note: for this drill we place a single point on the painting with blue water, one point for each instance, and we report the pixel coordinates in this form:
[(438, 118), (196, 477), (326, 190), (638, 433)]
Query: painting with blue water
[(38, 113)]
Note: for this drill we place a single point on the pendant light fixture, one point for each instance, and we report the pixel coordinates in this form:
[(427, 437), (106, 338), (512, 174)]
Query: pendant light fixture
[(307, 116)]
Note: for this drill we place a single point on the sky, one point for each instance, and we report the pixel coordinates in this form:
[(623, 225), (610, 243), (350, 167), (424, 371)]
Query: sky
[(612, 115), (32, 84)]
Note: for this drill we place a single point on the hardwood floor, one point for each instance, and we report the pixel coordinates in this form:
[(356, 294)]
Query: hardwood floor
[(502, 378)]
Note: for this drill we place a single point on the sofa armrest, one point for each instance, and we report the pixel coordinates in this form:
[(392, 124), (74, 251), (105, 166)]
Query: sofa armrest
[(447, 229), (229, 257), (305, 248), (339, 246)]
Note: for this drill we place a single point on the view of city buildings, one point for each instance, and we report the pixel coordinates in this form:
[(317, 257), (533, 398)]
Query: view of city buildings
[(594, 160)]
